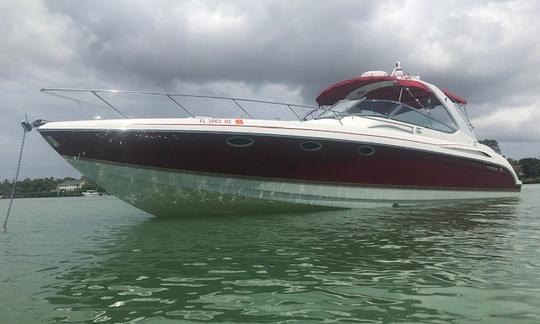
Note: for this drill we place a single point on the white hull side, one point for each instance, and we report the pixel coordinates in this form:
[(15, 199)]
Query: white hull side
[(170, 193)]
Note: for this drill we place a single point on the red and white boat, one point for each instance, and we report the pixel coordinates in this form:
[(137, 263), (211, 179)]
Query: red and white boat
[(377, 139)]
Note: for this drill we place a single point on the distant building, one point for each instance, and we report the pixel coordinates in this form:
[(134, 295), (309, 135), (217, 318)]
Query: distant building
[(70, 185)]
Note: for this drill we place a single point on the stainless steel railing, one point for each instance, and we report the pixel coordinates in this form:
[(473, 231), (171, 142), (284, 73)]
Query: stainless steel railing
[(175, 99)]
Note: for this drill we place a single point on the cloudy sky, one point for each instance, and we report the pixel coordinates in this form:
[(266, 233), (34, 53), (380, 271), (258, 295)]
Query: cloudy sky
[(485, 51)]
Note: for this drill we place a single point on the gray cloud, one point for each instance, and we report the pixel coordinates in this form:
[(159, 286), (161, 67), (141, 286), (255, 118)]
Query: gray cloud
[(486, 51)]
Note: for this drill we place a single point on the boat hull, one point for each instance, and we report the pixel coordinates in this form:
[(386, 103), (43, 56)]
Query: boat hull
[(281, 157), (181, 171)]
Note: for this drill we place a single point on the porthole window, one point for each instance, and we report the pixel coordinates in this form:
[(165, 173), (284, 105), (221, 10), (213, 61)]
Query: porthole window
[(366, 150), (240, 141), (311, 146)]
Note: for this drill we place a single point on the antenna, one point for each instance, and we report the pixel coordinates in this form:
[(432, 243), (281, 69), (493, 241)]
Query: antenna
[(398, 71)]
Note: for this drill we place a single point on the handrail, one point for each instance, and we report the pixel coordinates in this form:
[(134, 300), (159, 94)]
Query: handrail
[(171, 96), (47, 90), (108, 104), (179, 105)]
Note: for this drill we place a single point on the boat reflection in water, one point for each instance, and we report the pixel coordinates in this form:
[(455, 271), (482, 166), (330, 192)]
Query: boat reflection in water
[(382, 264), (374, 140)]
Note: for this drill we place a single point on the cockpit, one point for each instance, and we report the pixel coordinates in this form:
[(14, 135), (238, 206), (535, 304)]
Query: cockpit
[(401, 99)]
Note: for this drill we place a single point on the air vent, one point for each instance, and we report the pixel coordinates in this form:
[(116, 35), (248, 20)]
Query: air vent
[(310, 146), (366, 150), (239, 141)]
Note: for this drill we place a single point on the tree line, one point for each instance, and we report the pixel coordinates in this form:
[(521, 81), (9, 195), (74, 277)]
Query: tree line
[(45, 187)]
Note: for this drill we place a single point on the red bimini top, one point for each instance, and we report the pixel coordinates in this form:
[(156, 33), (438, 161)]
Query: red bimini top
[(377, 87)]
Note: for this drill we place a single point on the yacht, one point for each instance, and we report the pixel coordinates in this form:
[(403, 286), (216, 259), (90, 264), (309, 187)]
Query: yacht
[(380, 139)]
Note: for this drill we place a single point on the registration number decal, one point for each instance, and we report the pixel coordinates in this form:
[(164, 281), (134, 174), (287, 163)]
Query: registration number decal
[(220, 121)]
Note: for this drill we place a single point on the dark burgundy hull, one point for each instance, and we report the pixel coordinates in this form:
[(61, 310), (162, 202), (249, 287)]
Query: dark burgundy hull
[(278, 157)]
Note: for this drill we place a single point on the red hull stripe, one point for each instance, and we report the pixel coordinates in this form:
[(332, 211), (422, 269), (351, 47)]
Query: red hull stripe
[(282, 158)]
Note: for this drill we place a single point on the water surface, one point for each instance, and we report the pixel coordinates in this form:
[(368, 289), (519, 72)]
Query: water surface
[(99, 260)]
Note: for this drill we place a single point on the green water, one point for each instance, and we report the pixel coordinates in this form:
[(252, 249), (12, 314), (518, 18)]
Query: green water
[(97, 259)]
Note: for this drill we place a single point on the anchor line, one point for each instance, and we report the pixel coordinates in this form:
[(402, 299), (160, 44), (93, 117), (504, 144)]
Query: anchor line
[(26, 128)]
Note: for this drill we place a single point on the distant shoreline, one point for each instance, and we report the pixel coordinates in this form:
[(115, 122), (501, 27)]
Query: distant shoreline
[(74, 196), (51, 187), (51, 195)]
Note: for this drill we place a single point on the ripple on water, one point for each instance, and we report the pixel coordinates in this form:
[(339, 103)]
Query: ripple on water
[(474, 262)]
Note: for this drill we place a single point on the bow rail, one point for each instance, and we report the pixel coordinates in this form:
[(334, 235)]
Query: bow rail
[(174, 98)]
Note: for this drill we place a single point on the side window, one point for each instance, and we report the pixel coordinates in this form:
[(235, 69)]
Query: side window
[(441, 115), (464, 114), (424, 118)]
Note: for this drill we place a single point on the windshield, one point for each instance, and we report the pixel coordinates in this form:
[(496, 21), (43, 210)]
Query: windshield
[(432, 114)]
